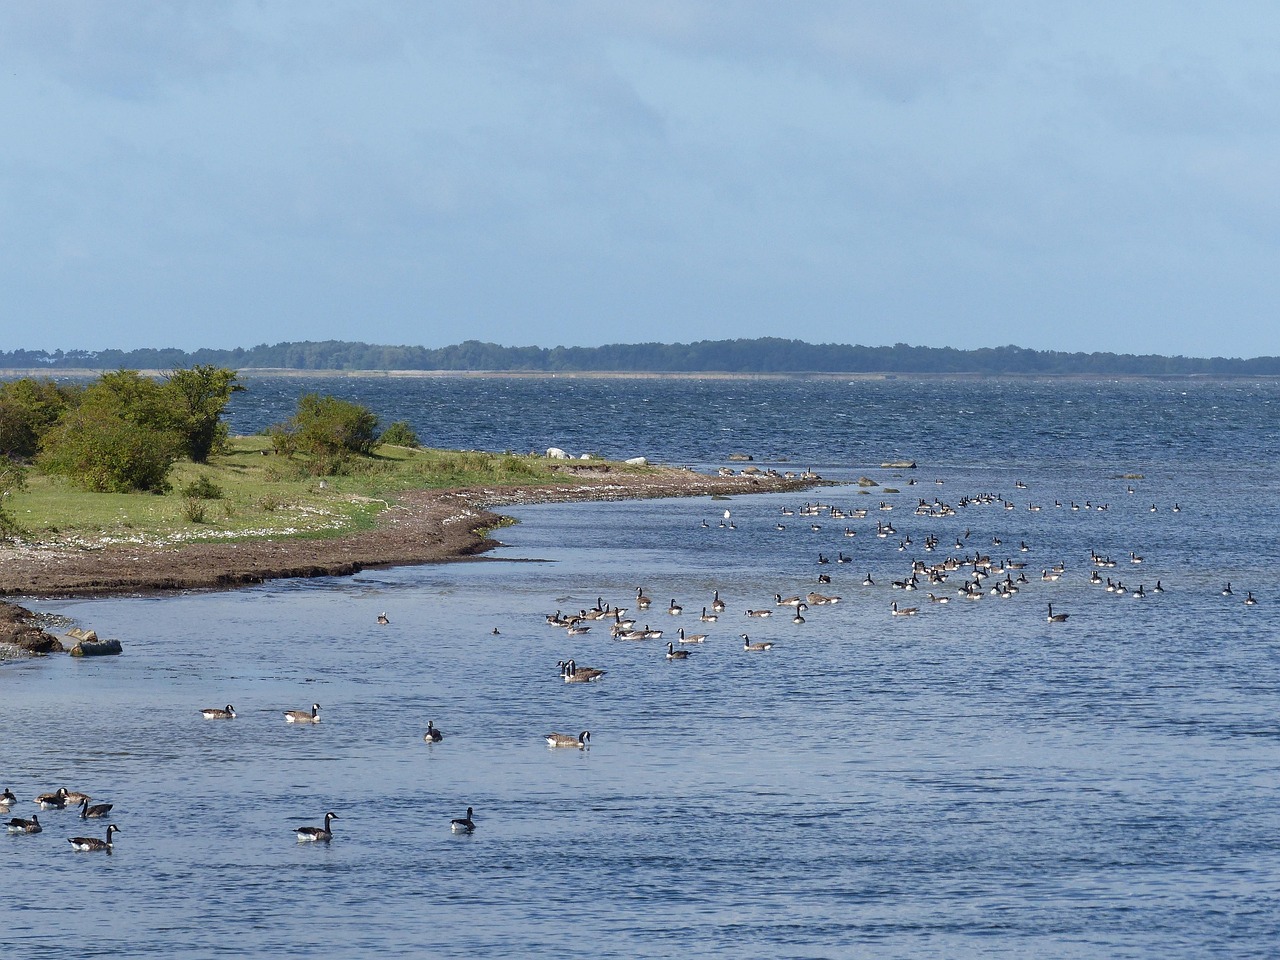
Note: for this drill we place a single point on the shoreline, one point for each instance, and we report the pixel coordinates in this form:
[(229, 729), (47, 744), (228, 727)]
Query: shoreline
[(422, 526)]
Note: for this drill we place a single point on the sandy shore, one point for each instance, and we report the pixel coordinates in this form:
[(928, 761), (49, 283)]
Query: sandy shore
[(426, 526)]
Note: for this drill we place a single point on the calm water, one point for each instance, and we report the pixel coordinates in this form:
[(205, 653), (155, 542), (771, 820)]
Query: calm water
[(972, 781)]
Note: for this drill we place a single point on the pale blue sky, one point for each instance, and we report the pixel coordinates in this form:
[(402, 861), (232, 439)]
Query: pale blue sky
[(1083, 176)]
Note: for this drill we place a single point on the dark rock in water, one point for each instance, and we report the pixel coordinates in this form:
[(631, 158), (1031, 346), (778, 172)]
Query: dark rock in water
[(741, 456), (96, 648), (867, 482)]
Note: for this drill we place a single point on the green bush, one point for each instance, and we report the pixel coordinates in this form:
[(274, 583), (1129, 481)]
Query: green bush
[(193, 508), (28, 408), (327, 431), (202, 488), (98, 449), (12, 479), (198, 396), (400, 434)]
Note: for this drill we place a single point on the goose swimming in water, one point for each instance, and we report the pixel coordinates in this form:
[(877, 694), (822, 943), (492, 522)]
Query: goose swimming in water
[(302, 716), (1057, 617), (7, 799), (573, 673), (219, 713), (903, 611), (94, 812), (432, 735), (57, 800), (581, 741), (708, 617), (382, 618), (317, 834), (690, 638), (642, 602), (463, 824), (1250, 600), (19, 825), (868, 582), (674, 654), (1226, 591), (93, 843), (759, 613), (716, 603), (755, 646), (675, 609)]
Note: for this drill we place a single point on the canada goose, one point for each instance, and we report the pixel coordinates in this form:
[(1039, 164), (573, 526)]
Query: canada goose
[(642, 602), (432, 735), (93, 843), (1158, 588), (788, 602), (94, 812), (7, 798), (317, 834), (868, 582), (56, 800), (798, 618), (576, 630), (716, 603), (1057, 617), (1134, 558), (759, 613), (1250, 600), (824, 578), (903, 611), (674, 654), (301, 716), (708, 617), (19, 825), (463, 824), (382, 618), (651, 634), (1226, 591), (576, 674), (217, 713), (690, 638), (675, 609), (939, 599), (757, 645), (581, 741)]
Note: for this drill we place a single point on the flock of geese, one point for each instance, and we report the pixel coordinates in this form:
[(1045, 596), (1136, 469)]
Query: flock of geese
[(971, 571)]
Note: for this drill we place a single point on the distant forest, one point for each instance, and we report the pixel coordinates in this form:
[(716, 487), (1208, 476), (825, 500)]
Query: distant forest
[(768, 355)]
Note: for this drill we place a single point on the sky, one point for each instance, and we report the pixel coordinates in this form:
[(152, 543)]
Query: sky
[(1090, 176)]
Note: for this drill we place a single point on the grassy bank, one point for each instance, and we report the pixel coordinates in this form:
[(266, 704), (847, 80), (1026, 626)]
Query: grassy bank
[(262, 495)]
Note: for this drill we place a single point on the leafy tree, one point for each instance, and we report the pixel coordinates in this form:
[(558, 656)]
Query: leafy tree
[(400, 434), (98, 449), (199, 396), (122, 436), (327, 430), (28, 408)]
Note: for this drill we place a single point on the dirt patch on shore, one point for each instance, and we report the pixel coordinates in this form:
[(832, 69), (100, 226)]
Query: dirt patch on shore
[(425, 526)]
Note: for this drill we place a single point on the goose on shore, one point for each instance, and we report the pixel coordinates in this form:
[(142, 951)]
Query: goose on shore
[(1057, 617), (219, 713), (674, 654), (94, 812), (432, 735), (302, 716), (463, 824), (581, 741), (19, 825), (93, 843), (756, 645), (317, 834)]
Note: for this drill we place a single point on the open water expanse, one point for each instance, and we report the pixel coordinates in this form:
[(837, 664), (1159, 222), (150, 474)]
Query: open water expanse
[(969, 781)]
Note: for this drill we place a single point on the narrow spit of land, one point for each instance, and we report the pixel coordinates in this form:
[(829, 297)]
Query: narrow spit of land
[(421, 526)]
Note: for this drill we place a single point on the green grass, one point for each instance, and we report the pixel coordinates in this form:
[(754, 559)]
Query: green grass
[(263, 496)]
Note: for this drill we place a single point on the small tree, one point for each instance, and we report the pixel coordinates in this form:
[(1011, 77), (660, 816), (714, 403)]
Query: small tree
[(12, 479), (327, 430), (28, 408), (400, 434), (97, 449), (199, 395)]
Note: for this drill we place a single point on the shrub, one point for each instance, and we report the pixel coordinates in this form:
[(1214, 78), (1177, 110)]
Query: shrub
[(326, 430), (28, 408), (400, 434), (202, 488), (98, 449), (198, 396), (12, 479), (193, 509)]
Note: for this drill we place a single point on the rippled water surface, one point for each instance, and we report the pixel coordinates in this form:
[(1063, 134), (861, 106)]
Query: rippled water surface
[(971, 781)]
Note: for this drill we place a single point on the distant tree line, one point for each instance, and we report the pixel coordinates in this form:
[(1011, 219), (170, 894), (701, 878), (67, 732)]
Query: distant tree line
[(768, 355)]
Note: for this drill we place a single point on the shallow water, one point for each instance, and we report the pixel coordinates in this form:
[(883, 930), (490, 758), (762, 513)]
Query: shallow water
[(972, 781)]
